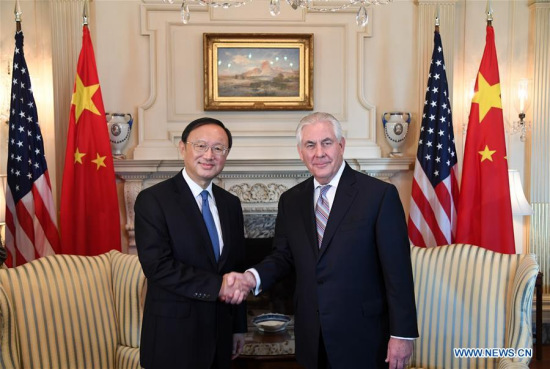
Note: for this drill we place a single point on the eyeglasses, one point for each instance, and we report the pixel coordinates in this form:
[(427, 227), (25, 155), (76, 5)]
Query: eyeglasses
[(202, 147)]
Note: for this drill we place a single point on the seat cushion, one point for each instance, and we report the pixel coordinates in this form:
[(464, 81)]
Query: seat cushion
[(64, 310)]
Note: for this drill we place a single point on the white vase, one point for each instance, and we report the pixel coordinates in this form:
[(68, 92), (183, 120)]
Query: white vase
[(120, 126), (395, 130)]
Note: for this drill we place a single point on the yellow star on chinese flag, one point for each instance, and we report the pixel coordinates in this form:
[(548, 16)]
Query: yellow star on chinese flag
[(99, 161), (487, 154), (487, 96), (78, 156), (82, 98)]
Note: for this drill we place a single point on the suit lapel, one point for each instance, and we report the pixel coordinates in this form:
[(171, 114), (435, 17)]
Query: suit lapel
[(345, 194), (189, 204), (308, 214)]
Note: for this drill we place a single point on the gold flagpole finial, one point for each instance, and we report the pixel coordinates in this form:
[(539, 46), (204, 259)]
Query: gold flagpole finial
[(85, 13), (489, 12), (17, 11)]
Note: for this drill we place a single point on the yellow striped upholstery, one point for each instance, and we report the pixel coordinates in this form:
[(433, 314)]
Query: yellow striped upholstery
[(127, 357), (67, 311), (9, 345), (470, 297), (128, 287)]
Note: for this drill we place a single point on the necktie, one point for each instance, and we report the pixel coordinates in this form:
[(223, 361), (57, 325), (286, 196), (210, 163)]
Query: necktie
[(322, 211), (210, 224)]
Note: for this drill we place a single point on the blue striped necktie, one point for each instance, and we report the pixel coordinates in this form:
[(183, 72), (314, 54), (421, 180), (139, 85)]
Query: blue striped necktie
[(210, 224), (322, 210)]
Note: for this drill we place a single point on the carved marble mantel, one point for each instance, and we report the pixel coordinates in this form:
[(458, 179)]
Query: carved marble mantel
[(258, 184)]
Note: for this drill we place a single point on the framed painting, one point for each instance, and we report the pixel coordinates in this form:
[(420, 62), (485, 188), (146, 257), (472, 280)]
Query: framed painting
[(259, 71)]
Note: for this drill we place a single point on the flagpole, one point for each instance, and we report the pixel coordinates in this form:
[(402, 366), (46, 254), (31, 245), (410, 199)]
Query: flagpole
[(489, 11), (17, 13), (85, 14)]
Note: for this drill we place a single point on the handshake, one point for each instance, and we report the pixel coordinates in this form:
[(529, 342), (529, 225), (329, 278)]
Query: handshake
[(236, 287)]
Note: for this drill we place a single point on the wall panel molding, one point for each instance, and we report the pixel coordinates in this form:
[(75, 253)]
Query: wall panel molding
[(176, 83)]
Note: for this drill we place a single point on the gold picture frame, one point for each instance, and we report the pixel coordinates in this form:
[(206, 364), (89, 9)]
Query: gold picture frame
[(258, 71)]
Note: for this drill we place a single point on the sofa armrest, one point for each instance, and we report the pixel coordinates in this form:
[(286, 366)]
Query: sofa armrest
[(128, 289), (519, 331), (9, 344)]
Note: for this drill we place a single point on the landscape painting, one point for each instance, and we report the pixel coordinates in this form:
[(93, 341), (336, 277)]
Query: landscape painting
[(258, 71)]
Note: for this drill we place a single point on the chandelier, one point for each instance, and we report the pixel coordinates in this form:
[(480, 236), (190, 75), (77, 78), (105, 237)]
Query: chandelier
[(323, 6)]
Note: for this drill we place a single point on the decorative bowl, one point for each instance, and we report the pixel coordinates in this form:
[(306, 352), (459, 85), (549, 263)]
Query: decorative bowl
[(271, 322)]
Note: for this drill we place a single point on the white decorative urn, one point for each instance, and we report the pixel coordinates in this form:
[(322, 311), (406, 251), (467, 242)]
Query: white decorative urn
[(120, 126), (396, 127)]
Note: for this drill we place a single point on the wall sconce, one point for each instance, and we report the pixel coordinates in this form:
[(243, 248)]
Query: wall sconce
[(522, 105)]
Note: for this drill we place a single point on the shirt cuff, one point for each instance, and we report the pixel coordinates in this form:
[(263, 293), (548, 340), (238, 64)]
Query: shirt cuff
[(404, 338), (258, 289)]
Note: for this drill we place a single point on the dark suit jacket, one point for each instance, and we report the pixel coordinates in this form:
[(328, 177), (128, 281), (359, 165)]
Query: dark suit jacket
[(184, 325), (358, 287)]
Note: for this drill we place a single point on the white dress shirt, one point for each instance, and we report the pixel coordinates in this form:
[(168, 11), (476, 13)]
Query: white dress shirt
[(331, 193), (196, 190)]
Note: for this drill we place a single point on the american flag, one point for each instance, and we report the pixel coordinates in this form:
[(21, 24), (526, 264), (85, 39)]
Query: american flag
[(31, 217), (432, 216)]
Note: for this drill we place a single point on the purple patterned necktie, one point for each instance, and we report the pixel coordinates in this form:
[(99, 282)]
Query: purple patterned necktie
[(322, 210)]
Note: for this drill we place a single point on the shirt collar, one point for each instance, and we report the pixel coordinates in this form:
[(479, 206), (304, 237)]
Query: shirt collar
[(195, 188), (335, 180)]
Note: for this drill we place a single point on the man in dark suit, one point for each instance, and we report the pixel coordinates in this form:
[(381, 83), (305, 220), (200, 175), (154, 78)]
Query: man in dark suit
[(189, 233), (348, 244)]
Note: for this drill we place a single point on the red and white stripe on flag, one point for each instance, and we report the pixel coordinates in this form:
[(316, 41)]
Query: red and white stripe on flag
[(432, 219), (31, 226)]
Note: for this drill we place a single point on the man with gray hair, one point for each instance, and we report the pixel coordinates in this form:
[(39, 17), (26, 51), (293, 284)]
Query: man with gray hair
[(345, 235)]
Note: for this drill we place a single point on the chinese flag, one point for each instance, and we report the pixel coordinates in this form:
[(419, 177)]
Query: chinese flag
[(90, 222), (484, 208)]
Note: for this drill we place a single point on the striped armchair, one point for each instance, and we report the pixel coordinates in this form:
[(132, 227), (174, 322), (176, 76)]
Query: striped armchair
[(470, 297), (68, 311)]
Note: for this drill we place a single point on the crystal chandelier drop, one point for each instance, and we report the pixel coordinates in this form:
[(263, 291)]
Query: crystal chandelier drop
[(323, 6)]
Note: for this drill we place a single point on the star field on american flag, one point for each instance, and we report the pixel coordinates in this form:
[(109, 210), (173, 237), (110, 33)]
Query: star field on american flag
[(436, 146), (26, 161)]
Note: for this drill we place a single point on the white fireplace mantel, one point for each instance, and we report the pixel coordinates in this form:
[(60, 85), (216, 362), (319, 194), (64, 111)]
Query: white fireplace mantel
[(258, 184)]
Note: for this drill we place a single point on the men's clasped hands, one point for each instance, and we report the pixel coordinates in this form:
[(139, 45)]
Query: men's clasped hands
[(236, 287)]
